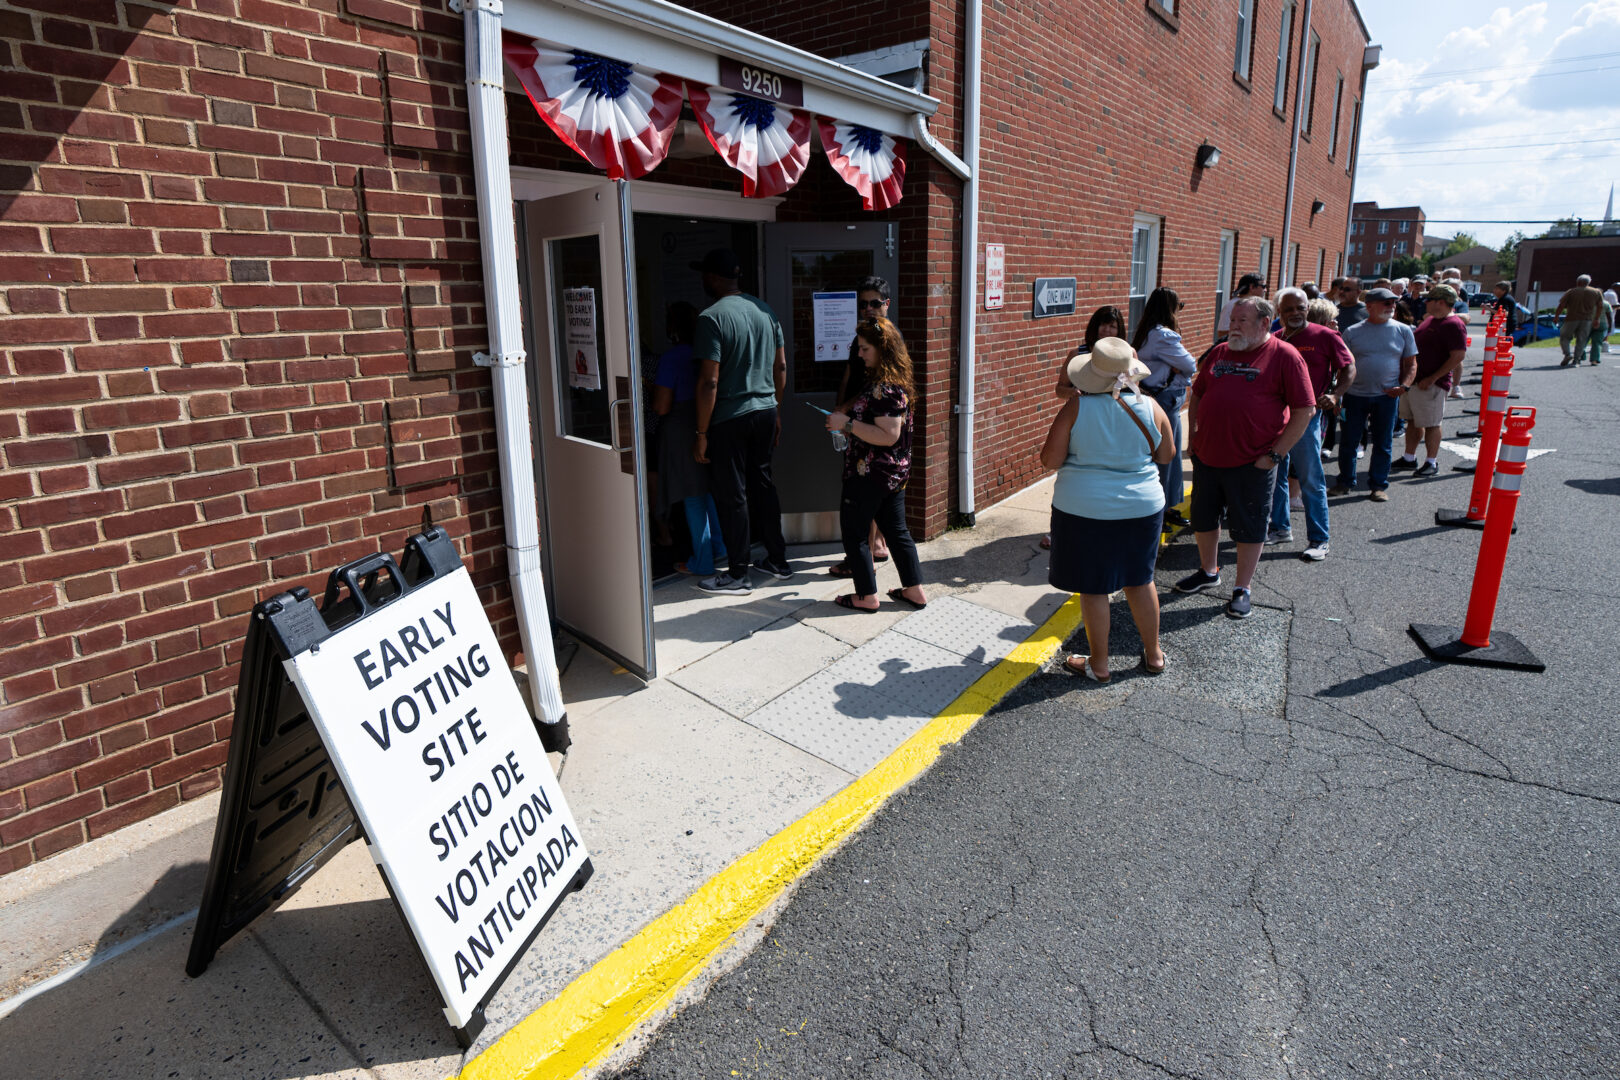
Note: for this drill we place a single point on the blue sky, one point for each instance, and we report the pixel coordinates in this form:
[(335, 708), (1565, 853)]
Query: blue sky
[(1490, 112)]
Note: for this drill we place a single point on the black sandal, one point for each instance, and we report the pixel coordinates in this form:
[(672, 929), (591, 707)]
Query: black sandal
[(899, 596), (848, 601), (840, 570)]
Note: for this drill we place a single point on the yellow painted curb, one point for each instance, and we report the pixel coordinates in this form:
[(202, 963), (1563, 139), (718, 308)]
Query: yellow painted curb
[(581, 1025)]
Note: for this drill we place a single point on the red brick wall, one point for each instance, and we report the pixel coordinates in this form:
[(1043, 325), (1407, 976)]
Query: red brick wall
[(1078, 139), (240, 279)]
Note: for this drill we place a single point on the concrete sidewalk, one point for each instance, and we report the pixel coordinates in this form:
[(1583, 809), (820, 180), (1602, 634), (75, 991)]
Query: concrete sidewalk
[(767, 705)]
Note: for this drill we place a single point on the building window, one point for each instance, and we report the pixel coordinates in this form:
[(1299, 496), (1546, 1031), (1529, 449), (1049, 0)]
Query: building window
[(1400, 247), (1360, 227), (1165, 10), (1293, 264), (1310, 79), (1321, 261), (1383, 227), (1144, 262), (1263, 264), (1475, 269), (1338, 261), (1225, 262), (1355, 132), (1333, 131), (1382, 247), (1244, 57), (1279, 96), (1406, 226)]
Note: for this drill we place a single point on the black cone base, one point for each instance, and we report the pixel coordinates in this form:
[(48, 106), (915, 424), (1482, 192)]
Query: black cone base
[(1465, 466), (1459, 519), (1444, 643), (1468, 434)]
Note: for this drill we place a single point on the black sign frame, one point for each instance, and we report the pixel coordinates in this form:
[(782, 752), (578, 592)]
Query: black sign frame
[(1044, 311)]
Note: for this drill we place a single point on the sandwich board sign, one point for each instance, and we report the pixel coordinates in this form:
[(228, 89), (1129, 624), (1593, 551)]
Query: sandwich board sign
[(425, 729)]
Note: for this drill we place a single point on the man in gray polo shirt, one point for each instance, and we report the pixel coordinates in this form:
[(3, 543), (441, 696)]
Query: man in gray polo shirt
[(1386, 363), (742, 369)]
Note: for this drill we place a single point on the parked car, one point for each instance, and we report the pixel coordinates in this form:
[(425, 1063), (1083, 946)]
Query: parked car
[(1546, 327), (1480, 299)]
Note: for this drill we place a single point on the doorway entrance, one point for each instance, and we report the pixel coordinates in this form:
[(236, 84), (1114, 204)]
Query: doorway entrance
[(605, 266)]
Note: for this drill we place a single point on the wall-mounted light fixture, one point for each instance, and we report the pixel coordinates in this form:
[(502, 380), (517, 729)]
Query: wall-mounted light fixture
[(1208, 157), (1317, 206)]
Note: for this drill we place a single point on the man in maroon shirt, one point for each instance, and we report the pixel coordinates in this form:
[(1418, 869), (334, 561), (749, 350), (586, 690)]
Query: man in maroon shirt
[(1442, 343), (1331, 368), (1250, 403)]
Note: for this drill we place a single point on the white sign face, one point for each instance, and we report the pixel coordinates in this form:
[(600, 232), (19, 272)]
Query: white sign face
[(446, 773), (995, 275), (835, 315), (579, 338)]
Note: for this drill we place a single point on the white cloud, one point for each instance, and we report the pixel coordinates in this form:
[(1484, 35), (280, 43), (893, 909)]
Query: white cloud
[(1481, 121)]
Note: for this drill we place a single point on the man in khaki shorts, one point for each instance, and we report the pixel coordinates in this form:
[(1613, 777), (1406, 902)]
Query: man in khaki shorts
[(1442, 342)]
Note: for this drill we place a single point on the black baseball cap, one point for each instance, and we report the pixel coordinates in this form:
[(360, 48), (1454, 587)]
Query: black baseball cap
[(722, 262)]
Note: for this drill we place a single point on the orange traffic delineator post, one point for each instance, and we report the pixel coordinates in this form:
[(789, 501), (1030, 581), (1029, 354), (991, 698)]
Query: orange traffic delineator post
[(1499, 376), (1504, 347), (1477, 642)]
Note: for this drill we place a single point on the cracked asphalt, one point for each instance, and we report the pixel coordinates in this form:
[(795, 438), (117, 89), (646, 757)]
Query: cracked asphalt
[(1306, 851)]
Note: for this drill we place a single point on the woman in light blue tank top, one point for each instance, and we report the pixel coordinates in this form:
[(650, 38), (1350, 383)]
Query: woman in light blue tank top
[(1108, 503)]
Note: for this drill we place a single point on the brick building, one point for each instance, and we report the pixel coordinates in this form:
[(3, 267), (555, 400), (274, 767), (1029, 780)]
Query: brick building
[(243, 258), (1549, 265), (1477, 263), (1377, 236)]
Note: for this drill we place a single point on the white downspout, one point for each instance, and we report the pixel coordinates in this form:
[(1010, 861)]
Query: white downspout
[(970, 262), (486, 103), (1293, 147)]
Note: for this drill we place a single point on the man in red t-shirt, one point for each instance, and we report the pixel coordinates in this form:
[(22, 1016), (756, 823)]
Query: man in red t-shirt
[(1250, 403), (1442, 343), (1331, 368)]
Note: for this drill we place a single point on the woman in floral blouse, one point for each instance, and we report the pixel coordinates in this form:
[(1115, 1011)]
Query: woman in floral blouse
[(877, 464)]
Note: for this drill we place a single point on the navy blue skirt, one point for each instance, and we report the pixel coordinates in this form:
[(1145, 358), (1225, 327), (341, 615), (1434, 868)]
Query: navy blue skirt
[(1098, 557)]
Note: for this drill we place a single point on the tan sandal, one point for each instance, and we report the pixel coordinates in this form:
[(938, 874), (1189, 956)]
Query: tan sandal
[(1085, 668)]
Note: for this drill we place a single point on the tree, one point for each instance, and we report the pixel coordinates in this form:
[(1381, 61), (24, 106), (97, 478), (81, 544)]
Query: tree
[(1459, 244), (1507, 256), (1572, 226)]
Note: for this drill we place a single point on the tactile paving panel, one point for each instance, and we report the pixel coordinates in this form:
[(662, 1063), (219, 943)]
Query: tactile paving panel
[(967, 629), (918, 676), (849, 725)]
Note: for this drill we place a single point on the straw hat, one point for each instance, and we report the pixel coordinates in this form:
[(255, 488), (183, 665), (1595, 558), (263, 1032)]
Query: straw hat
[(1110, 367)]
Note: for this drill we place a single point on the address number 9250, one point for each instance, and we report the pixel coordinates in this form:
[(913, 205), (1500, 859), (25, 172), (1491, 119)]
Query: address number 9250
[(760, 83)]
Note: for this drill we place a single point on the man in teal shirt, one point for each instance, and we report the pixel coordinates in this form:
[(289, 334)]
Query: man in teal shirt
[(742, 370)]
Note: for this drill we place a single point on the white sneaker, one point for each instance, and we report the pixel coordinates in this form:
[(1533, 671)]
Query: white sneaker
[(1315, 553)]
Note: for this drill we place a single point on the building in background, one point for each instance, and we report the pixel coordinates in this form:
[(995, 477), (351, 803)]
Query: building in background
[(1477, 263), (245, 334), (1378, 236), (1549, 265)]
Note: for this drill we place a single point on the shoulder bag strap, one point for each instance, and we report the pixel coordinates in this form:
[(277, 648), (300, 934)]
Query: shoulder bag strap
[(1137, 420)]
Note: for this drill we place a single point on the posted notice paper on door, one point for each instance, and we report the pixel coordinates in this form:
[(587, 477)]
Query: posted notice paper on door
[(579, 338), (446, 772), (835, 314)]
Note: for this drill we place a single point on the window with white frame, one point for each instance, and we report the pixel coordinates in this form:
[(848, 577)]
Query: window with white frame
[(1144, 262), (1243, 58), (1406, 226), (1382, 247), (1166, 6), (1263, 264), (1333, 130), (1383, 227), (1279, 96), (1310, 79), (1293, 264), (1225, 261), (1321, 261), (1400, 247)]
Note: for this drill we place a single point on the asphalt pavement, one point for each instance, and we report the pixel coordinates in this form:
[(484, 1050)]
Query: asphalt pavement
[(1304, 851)]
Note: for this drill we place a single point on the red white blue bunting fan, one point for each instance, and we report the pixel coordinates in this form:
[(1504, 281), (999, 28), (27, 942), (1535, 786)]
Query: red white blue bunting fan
[(768, 143), (617, 117), (871, 162)]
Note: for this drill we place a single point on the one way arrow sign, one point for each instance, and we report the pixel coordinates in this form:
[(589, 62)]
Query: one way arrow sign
[(1054, 296)]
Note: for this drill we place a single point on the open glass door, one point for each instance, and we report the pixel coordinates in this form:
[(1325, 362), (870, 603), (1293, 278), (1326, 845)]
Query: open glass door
[(802, 259), (587, 395)]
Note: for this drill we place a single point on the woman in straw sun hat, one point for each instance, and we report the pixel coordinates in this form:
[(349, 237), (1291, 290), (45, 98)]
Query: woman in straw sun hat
[(1108, 505)]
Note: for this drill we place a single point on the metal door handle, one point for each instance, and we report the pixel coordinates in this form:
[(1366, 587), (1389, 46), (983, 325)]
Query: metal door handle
[(613, 424)]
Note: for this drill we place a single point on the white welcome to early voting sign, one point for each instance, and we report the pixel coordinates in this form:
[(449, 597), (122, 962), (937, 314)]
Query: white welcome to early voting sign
[(446, 772)]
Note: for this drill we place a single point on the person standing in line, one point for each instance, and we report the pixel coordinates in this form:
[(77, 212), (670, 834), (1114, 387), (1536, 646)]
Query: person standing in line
[(1324, 312), (1503, 301), (1310, 290), (1442, 344), (1157, 342), (1416, 299), (1250, 404), (1331, 369), (1386, 363), (1351, 309), (872, 302), (680, 478), (1248, 285), (1578, 308), (1107, 502), (877, 465), (742, 371), (1106, 321)]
